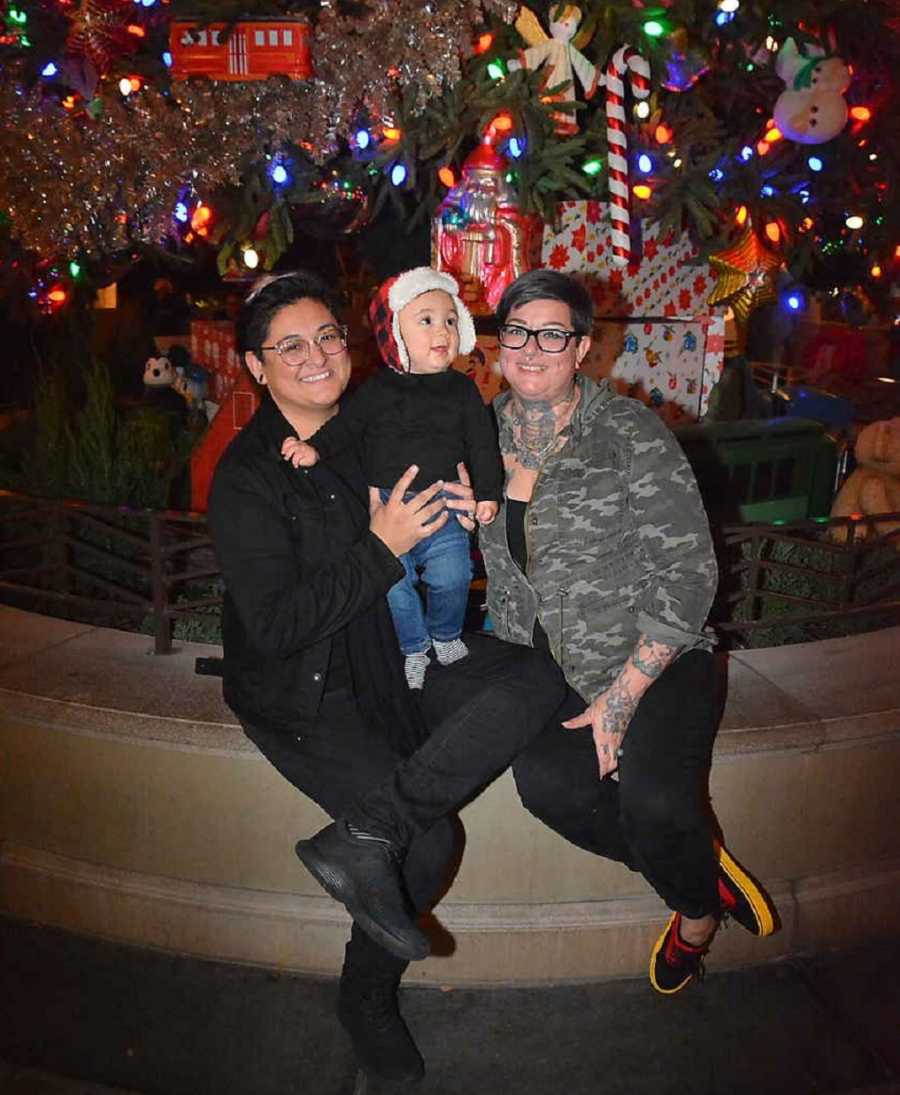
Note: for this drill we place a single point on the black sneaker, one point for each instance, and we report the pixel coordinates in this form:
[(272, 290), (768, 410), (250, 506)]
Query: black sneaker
[(673, 962), (742, 898), (360, 870), (381, 1039)]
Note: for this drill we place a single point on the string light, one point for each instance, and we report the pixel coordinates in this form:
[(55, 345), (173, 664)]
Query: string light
[(392, 133), (49, 70), (74, 268), (773, 232), (663, 133), (741, 215), (592, 167), (746, 153), (773, 134), (645, 164), (642, 191), (483, 43), (729, 5), (860, 113), (181, 212), (653, 28), (125, 86), (445, 174), (398, 174), (279, 174), (250, 257), (516, 147), (362, 138), (496, 69), (767, 191), (854, 221), (717, 174), (642, 109), (875, 271), (814, 163), (167, 59), (723, 18), (503, 123)]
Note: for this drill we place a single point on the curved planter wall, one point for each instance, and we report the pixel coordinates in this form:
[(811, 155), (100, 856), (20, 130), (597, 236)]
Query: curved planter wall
[(132, 807)]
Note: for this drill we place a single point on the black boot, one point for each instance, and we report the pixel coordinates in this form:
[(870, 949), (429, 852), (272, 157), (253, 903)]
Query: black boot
[(360, 870), (368, 1011)]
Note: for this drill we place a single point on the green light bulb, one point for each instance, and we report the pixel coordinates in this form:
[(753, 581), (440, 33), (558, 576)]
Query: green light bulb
[(653, 28)]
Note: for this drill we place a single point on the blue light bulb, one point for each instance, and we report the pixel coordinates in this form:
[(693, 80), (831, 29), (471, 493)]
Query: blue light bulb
[(181, 212), (49, 70), (767, 191), (167, 59), (746, 153), (516, 147), (363, 139), (645, 164), (723, 18), (279, 174), (717, 174), (815, 164), (398, 174), (794, 302)]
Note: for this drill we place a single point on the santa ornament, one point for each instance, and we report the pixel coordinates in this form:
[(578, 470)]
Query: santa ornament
[(561, 58), (811, 109), (480, 235)]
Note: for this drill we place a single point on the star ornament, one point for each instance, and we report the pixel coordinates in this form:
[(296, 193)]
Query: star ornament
[(746, 275)]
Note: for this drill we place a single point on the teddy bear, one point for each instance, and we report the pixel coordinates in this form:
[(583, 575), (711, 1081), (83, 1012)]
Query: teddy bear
[(874, 485), (811, 109)]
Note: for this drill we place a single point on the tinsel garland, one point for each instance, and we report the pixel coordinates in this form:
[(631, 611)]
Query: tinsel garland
[(92, 183)]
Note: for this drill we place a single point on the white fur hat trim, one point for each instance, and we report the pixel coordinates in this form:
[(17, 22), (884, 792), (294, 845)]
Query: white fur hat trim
[(423, 279)]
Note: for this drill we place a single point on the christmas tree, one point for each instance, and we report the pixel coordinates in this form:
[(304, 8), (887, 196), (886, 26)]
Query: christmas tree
[(780, 115)]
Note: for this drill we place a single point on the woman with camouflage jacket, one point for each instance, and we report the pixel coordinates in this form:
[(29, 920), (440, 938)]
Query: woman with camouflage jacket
[(602, 555)]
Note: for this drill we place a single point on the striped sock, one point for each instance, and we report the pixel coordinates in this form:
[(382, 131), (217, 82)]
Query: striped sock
[(448, 653)]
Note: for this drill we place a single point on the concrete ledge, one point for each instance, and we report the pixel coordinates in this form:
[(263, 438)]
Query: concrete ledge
[(132, 807)]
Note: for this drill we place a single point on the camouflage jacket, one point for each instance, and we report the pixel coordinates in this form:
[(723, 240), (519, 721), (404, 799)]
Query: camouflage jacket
[(618, 543)]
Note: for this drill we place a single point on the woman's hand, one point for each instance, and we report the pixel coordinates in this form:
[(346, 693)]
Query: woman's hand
[(463, 504), (401, 525), (609, 717)]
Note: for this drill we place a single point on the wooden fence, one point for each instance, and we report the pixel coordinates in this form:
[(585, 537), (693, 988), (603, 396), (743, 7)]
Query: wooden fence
[(148, 569)]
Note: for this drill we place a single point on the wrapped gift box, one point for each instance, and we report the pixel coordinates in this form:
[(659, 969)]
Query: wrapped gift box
[(214, 347), (655, 335)]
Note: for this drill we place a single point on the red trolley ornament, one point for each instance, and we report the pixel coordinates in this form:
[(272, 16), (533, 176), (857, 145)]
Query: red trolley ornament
[(252, 50)]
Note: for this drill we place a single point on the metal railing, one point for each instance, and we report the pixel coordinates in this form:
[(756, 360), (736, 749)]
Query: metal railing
[(150, 570), (141, 569), (808, 575)]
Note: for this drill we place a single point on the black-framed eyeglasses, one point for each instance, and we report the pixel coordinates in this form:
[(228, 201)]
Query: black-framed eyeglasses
[(549, 340), (294, 350)]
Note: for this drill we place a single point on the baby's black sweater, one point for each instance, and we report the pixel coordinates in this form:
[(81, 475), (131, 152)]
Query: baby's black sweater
[(430, 419)]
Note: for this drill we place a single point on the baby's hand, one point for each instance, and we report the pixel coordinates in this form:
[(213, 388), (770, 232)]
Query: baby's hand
[(485, 512), (300, 454)]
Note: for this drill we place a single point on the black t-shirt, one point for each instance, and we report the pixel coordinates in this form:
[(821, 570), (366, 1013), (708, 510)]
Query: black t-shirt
[(518, 549)]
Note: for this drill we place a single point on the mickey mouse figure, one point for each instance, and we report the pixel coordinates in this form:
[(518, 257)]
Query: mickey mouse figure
[(811, 109)]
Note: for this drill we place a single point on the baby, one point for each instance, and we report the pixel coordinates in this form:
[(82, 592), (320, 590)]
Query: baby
[(421, 411)]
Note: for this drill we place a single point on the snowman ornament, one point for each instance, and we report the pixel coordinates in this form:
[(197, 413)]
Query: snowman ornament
[(811, 109)]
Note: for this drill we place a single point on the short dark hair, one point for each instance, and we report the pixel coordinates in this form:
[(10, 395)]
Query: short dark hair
[(262, 304), (549, 285)]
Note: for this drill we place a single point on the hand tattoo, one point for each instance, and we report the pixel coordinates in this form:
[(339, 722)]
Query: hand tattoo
[(651, 658), (619, 708)]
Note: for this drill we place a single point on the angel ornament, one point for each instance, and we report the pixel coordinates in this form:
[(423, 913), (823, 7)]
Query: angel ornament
[(561, 56)]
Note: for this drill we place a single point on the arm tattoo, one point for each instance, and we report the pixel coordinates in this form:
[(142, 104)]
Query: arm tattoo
[(651, 658), (620, 706)]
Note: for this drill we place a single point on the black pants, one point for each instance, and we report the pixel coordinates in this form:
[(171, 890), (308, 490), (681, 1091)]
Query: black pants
[(482, 711), (655, 818)]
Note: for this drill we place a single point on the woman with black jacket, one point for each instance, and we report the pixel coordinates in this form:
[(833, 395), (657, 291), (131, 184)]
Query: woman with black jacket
[(313, 669)]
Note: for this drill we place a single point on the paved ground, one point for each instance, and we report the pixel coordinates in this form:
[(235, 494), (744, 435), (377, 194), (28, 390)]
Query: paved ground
[(77, 1014)]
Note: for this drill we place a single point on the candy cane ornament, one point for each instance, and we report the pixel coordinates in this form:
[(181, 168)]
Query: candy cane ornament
[(623, 60)]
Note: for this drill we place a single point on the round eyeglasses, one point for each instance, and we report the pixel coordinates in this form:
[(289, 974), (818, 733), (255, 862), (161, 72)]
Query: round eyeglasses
[(294, 350), (549, 340)]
